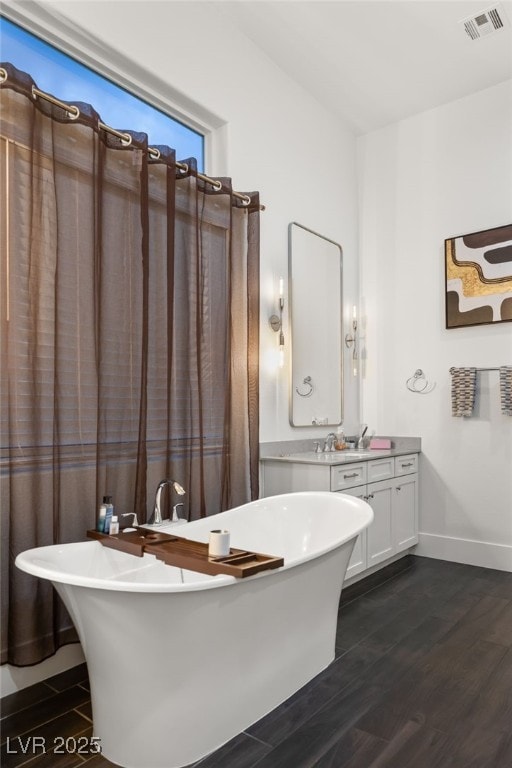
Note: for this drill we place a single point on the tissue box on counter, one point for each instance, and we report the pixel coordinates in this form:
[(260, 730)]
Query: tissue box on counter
[(380, 443)]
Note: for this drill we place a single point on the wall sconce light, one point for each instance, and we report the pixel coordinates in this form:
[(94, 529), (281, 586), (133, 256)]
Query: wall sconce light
[(276, 322), (351, 340)]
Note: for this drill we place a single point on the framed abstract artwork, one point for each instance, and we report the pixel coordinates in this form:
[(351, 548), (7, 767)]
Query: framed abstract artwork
[(478, 269)]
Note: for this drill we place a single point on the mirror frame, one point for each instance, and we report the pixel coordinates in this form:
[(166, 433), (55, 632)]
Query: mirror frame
[(291, 329)]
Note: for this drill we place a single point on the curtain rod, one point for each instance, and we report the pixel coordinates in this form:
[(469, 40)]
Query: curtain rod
[(74, 113)]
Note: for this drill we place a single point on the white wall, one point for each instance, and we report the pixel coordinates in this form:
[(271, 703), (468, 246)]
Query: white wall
[(442, 173)]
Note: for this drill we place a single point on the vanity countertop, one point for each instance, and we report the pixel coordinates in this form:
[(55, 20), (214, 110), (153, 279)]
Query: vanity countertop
[(335, 457), (301, 455)]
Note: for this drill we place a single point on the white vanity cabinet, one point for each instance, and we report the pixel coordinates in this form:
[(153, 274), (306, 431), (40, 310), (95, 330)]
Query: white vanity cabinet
[(389, 485), (394, 500)]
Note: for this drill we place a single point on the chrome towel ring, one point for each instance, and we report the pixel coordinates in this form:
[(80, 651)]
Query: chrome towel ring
[(308, 382), (419, 384)]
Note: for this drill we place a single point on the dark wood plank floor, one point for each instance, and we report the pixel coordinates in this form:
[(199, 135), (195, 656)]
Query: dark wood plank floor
[(422, 679)]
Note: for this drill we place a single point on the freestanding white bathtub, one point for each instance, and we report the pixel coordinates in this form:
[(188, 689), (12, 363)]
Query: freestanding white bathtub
[(180, 662)]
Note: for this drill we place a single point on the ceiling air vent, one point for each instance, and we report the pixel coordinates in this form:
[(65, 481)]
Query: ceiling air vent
[(485, 22)]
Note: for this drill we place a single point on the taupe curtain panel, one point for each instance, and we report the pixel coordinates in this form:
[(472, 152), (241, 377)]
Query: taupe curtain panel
[(129, 346)]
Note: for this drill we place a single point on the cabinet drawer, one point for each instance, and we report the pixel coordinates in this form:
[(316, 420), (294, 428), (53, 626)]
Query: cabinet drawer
[(348, 476), (406, 465), (381, 469)]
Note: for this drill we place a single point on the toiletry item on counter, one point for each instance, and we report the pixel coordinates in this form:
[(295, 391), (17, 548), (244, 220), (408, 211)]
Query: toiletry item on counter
[(360, 442), (340, 443), (114, 525), (379, 443), (108, 513)]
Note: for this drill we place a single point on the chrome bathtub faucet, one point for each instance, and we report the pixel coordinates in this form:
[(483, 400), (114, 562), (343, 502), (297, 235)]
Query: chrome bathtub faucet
[(175, 515), (157, 512)]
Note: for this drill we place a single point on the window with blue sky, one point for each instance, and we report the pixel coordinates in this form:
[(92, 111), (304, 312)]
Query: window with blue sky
[(65, 78)]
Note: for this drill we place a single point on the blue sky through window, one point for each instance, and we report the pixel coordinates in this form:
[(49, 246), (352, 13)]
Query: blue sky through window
[(65, 78)]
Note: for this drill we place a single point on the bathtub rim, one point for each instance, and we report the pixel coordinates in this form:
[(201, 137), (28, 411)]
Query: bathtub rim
[(25, 560)]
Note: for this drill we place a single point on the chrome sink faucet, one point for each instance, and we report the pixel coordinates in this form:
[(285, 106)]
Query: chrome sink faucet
[(330, 441), (157, 512)]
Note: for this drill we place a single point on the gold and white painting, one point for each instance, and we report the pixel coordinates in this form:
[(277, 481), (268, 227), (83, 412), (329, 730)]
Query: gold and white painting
[(479, 278)]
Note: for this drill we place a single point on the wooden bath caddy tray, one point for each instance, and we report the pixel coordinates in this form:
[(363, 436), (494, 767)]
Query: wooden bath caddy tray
[(188, 554)]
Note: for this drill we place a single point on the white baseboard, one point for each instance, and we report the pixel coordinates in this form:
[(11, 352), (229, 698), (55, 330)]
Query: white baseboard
[(13, 679), (481, 553)]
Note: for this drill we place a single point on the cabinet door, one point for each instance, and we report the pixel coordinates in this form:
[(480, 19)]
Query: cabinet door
[(357, 562), (405, 512), (380, 542)]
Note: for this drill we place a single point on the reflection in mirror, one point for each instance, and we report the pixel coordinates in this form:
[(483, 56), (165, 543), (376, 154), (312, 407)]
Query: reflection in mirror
[(316, 318)]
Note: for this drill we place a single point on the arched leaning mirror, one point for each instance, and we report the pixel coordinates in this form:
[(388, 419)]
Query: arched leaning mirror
[(316, 319)]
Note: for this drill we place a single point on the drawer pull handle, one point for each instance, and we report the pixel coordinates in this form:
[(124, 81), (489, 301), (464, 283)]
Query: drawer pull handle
[(348, 477), (408, 464), (399, 487), (370, 496)]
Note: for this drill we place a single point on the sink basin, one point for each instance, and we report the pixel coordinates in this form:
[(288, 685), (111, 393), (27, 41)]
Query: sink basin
[(366, 453), (357, 454), (331, 457)]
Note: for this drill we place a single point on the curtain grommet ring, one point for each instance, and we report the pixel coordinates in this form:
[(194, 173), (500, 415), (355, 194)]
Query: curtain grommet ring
[(182, 168), (73, 112), (154, 153), (3, 75), (217, 185)]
